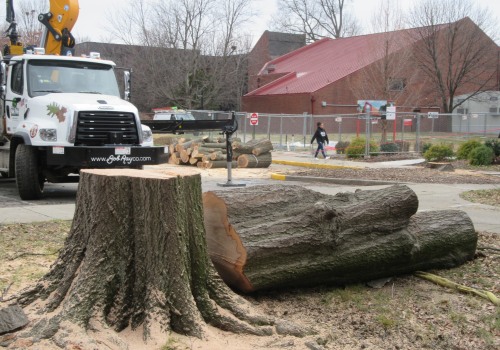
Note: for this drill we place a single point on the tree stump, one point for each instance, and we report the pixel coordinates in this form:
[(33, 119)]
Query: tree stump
[(271, 237), (135, 257)]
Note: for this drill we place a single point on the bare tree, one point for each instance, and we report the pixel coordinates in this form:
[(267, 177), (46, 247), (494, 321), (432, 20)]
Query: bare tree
[(191, 59), (388, 78), (28, 26), (316, 18), (454, 52)]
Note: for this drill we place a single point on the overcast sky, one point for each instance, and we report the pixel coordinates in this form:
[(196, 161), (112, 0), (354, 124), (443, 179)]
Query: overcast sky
[(92, 17)]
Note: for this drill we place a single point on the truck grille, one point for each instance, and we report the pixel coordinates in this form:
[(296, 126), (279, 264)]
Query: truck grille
[(106, 128)]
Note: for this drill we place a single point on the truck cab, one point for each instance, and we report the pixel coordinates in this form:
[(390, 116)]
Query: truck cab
[(62, 114)]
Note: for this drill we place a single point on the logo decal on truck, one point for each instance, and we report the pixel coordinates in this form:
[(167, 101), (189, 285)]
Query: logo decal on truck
[(33, 131), (123, 159), (55, 111)]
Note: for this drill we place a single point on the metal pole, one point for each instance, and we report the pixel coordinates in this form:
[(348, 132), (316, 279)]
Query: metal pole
[(269, 127), (281, 132), (304, 128), (417, 138), (367, 132)]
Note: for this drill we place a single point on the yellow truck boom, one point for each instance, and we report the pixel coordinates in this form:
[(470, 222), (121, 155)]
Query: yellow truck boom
[(59, 22), (56, 37)]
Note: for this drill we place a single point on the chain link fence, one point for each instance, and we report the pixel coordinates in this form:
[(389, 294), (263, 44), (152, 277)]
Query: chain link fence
[(407, 133)]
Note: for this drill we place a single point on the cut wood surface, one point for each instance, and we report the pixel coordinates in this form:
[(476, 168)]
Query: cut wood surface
[(266, 237)]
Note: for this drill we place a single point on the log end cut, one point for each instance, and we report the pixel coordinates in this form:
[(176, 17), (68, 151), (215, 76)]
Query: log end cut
[(224, 245)]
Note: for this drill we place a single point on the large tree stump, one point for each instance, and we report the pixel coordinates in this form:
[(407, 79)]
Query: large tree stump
[(136, 257), (277, 236)]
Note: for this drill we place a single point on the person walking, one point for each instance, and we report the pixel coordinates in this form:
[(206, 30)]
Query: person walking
[(321, 137)]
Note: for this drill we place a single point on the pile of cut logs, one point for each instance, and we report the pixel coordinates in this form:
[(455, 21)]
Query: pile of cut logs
[(211, 153)]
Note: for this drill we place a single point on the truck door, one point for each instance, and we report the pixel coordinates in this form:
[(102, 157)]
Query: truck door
[(14, 101)]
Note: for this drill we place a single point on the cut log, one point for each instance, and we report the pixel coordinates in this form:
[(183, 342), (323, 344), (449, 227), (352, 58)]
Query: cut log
[(267, 237), (193, 160), (262, 147), (174, 158), (217, 156), (246, 148), (214, 145), (253, 161), (212, 164)]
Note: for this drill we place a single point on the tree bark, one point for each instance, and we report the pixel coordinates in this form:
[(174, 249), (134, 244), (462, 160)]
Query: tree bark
[(136, 257), (253, 161), (267, 237), (262, 147)]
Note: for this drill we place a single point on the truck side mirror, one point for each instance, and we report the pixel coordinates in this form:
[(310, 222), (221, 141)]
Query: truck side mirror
[(127, 79)]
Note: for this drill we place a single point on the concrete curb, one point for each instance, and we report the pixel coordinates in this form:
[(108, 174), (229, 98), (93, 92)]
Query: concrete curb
[(351, 182), (314, 165)]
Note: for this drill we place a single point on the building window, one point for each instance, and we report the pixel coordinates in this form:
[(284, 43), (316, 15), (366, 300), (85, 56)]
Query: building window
[(397, 84), (493, 109), (462, 111), (494, 98)]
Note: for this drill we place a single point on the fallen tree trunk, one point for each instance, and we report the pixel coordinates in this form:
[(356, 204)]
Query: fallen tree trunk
[(277, 236)]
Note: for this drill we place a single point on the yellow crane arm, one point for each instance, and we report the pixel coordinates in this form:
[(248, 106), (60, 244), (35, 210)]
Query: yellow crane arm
[(58, 23)]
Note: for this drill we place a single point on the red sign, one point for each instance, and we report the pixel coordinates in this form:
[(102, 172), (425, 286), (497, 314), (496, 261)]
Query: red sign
[(407, 122), (254, 119)]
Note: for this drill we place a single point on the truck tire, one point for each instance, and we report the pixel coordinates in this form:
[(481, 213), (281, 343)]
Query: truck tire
[(29, 178)]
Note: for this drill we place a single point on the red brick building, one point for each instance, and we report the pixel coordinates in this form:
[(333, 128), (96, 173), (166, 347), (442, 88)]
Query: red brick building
[(343, 71)]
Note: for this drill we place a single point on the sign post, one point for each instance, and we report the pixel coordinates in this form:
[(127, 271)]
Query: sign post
[(254, 120)]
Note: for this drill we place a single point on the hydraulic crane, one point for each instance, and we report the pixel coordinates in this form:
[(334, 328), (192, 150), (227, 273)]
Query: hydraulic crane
[(58, 23)]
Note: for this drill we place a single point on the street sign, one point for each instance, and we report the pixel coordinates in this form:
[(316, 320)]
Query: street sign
[(254, 119), (407, 122), (338, 119), (432, 115)]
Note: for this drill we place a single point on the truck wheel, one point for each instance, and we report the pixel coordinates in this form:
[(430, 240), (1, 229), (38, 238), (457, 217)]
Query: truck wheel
[(29, 179)]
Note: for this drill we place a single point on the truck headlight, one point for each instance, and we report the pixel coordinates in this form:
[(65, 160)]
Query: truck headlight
[(48, 134), (147, 135)]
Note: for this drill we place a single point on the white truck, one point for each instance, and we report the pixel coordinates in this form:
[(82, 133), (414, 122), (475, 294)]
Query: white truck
[(61, 114)]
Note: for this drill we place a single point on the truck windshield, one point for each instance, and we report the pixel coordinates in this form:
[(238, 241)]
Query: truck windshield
[(58, 76)]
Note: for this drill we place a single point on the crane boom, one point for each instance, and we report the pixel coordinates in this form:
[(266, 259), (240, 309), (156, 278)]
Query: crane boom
[(58, 22)]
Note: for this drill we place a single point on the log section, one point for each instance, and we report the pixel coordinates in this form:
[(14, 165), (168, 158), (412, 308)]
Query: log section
[(277, 236)]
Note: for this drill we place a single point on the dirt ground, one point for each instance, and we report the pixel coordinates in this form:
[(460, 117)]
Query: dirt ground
[(405, 312)]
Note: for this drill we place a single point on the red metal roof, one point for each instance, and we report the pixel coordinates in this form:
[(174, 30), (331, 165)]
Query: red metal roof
[(325, 61)]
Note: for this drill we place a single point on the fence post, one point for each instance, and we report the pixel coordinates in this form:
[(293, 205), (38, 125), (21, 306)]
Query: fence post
[(304, 129), (417, 137), (244, 128), (269, 126), (367, 131), (281, 131)]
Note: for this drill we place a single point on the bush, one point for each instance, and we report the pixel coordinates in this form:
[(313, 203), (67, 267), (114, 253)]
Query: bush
[(467, 147), (356, 148), (426, 146), (341, 146), (437, 153), (389, 148), (494, 144), (482, 155)]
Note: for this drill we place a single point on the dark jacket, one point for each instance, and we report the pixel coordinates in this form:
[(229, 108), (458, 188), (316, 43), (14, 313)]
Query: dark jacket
[(320, 136)]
